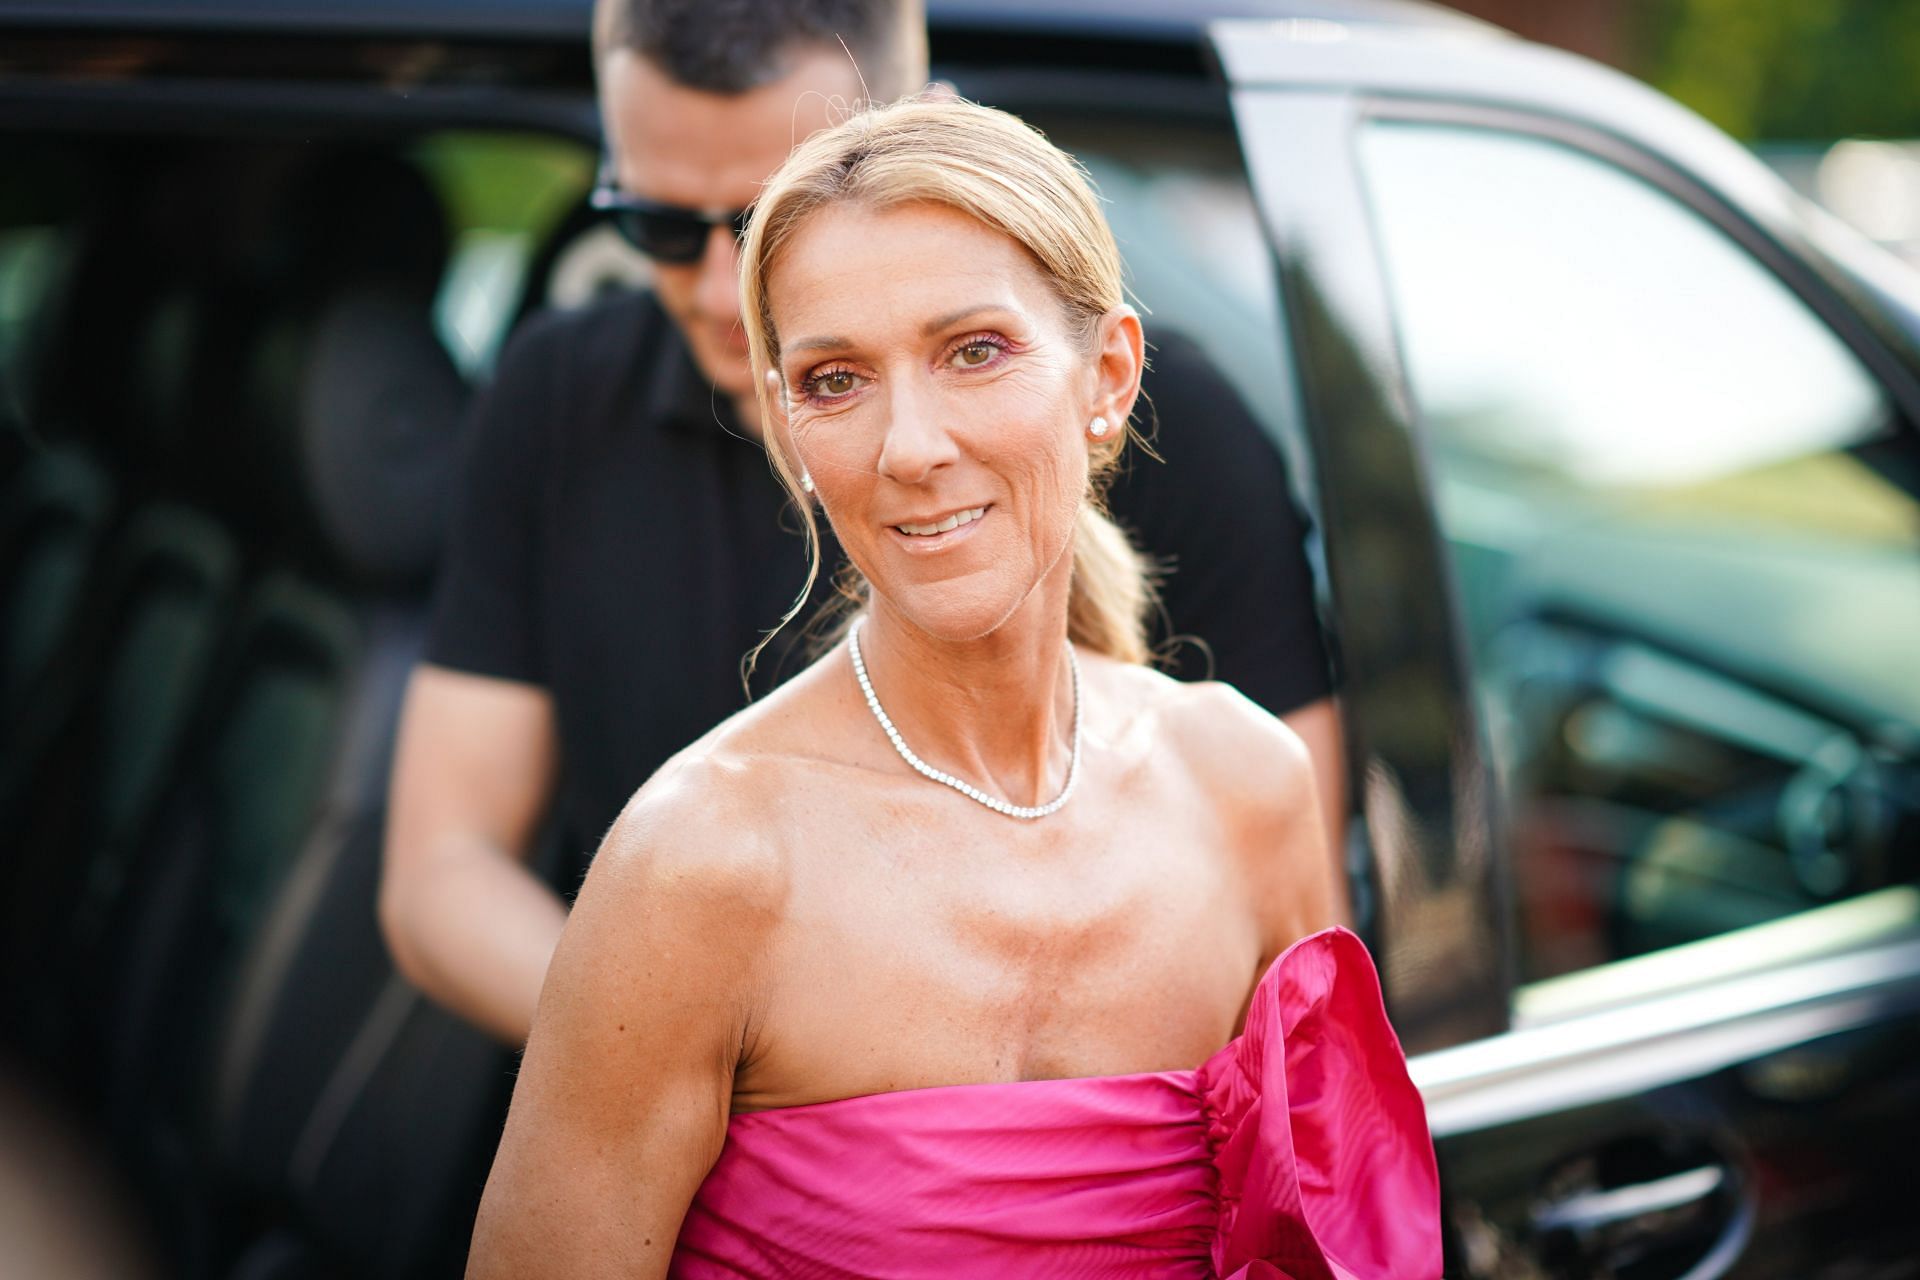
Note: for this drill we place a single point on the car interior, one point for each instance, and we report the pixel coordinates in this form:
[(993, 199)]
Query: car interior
[(232, 425)]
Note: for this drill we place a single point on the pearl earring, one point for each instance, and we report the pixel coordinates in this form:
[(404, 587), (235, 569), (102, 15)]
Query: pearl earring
[(1097, 428), (806, 481)]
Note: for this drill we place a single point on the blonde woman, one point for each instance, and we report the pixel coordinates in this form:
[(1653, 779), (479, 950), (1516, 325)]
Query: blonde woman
[(980, 948)]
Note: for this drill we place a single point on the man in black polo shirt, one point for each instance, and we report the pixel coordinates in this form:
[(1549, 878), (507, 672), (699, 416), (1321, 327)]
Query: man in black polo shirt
[(621, 541)]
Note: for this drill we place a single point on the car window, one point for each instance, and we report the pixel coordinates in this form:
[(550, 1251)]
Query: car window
[(504, 193), (34, 261), (1685, 539)]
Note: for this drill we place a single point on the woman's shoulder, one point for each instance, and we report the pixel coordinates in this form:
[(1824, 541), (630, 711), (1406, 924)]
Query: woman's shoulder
[(720, 810), (694, 840), (1255, 777), (1210, 724)]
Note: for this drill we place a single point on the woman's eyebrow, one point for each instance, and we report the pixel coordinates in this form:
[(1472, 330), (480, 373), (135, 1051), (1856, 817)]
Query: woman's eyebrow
[(819, 344), (952, 318), (931, 327)]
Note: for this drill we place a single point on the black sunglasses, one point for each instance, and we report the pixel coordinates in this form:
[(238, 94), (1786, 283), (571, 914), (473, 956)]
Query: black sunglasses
[(669, 233)]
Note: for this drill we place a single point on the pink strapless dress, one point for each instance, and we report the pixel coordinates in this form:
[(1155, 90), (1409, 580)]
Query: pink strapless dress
[(1299, 1150)]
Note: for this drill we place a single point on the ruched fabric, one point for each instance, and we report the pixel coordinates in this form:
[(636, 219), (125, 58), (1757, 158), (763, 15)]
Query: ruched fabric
[(1299, 1151)]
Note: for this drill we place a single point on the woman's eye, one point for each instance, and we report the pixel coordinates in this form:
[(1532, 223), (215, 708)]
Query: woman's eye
[(975, 354), (832, 384)]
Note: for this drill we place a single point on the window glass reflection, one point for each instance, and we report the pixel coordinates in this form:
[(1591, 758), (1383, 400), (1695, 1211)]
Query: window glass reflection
[(1684, 531)]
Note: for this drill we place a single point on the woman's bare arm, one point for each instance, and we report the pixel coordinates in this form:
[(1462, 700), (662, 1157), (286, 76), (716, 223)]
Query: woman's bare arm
[(623, 1097)]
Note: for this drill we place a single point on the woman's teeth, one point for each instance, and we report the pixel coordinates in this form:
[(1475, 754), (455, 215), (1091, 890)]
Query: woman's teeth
[(951, 522)]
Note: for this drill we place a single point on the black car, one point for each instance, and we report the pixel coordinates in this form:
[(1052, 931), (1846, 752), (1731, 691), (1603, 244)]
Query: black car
[(1610, 444)]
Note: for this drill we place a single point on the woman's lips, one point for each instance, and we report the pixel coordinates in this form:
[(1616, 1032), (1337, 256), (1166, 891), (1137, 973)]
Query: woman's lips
[(941, 532), (941, 524)]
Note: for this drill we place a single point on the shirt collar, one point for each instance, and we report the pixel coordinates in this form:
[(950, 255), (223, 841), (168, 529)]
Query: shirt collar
[(678, 395)]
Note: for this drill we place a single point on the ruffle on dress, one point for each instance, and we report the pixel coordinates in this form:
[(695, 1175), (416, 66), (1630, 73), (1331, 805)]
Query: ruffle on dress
[(1318, 1134)]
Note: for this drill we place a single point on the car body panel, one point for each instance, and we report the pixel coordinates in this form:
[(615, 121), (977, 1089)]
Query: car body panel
[(569, 20)]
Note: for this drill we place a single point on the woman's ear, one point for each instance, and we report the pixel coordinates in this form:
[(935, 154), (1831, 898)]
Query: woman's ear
[(773, 405), (1120, 352), (776, 416)]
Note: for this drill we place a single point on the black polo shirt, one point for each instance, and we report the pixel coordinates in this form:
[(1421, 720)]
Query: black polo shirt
[(621, 543)]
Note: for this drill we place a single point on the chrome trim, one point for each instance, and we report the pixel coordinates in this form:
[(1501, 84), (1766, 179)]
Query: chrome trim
[(1591, 1210), (1840, 928), (1618, 1052)]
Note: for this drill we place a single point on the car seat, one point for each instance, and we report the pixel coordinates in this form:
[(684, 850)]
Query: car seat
[(53, 522), (292, 1104), (356, 1118)]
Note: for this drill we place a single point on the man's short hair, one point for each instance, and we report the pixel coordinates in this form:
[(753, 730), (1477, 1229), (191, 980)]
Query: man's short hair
[(732, 46)]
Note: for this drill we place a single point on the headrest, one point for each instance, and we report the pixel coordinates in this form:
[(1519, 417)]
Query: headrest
[(377, 415), (352, 405), (367, 215)]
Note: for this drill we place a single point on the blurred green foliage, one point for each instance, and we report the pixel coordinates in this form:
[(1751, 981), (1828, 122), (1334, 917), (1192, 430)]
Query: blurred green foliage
[(506, 182), (1788, 69)]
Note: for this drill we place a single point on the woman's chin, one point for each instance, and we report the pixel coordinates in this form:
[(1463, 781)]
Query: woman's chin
[(949, 613)]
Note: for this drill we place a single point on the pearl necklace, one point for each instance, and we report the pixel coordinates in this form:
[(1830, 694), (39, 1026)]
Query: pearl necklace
[(925, 770)]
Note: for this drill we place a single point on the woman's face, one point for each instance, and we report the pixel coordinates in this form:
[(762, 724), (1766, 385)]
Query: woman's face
[(940, 402)]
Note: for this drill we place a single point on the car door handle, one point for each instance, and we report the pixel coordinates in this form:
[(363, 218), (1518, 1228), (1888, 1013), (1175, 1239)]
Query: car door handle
[(1696, 1219), (1586, 1211)]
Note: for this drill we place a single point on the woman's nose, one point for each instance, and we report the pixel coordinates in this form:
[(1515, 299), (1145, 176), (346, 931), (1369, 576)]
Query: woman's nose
[(916, 443)]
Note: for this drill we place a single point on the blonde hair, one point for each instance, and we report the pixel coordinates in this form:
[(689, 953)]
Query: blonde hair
[(996, 169)]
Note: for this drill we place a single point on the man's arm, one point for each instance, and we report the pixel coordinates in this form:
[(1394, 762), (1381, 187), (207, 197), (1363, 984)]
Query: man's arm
[(467, 921), (1318, 725), (474, 767)]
